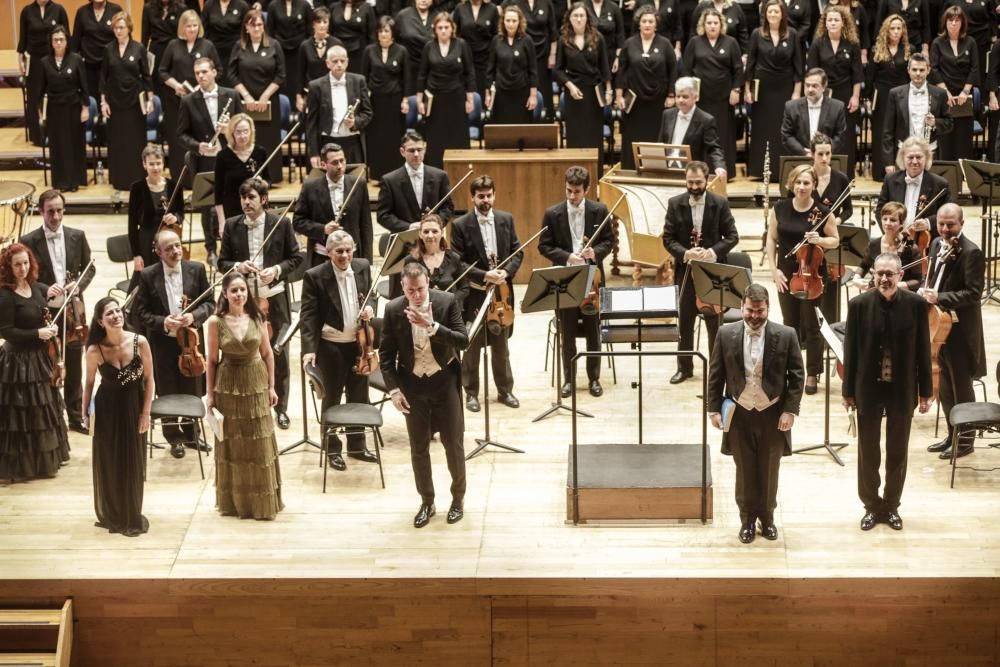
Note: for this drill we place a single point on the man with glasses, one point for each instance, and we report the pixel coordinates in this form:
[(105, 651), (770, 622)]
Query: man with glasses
[(413, 189)]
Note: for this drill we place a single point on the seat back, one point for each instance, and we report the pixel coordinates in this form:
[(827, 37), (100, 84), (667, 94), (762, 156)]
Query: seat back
[(411, 114), (119, 249), (153, 121), (740, 259), (538, 115), (476, 118)]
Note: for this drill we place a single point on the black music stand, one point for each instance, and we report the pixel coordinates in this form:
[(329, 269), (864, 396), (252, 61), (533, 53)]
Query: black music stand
[(283, 339), (719, 284), (851, 251), (832, 345), (984, 182), (555, 288), (788, 162), (399, 247)]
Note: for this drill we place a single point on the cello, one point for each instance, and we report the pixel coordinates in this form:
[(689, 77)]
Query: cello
[(940, 321)]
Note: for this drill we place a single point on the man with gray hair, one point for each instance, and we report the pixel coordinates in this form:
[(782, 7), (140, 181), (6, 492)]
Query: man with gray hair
[(338, 109), (686, 124)]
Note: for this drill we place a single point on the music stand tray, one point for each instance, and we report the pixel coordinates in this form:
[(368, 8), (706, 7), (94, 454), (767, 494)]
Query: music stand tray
[(203, 190), (720, 284), (399, 248), (789, 162)]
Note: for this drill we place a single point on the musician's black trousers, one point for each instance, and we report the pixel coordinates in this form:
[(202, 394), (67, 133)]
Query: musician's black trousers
[(503, 376), (898, 419), (955, 384), (573, 323), (73, 383), (687, 314), (435, 405), (335, 361)]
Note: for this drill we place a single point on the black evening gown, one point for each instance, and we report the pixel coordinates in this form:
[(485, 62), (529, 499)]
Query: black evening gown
[(159, 28), (584, 118), (66, 88), (388, 82), (478, 32), (290, 29), (883, 77), (33, 440), (543, 30), (511, 71), (222, 28), (917, 17), (90, 37), (412, 33), (720, 69), (33, 39), (956, 71), (230, 172), (356, 33), (448, 79), (123, 80), (772, 72), (843, 69), (118, 447), (178, 63), (649, 76), (257, 70)]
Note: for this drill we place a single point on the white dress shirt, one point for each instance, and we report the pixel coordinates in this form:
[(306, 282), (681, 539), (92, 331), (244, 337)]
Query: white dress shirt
[(212, 102), (814, 112), (487, 228), (920, 104), (912, 197), (681, 126), (939, 263), (255, 239), (417, 181), (577, 224), (349, 307), (56, 241), (338, 98), (175, 291)]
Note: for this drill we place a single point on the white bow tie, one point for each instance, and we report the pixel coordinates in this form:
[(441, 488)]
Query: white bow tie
[(338, 84), (918, 91), (684, 116), (345, 274), (755, 333), (252, 224), (211, 96), (484, 221), (49, 236), (696, 201), (818, 107), (168, 271), (914, 180)]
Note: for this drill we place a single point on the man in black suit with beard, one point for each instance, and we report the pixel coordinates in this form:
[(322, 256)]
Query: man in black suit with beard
[(699, 226), (688, 125), (406, 193), (62, 254), (322, 199), (200, 116), (327, 104), (158, 307), (757, 364), (956, 277), (422, 337), (916, 96), (331, 307), (241, 243), (915, 187), (482, 237), (813, 112), (887, 369)]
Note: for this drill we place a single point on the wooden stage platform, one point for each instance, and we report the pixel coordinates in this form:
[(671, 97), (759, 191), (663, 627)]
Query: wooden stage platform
[(344, 579)]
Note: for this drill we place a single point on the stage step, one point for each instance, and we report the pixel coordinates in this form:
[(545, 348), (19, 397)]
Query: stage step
[(629, 482), (30, 659), (27, 636)]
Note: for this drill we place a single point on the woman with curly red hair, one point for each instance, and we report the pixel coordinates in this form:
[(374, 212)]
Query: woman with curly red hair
[(33, 441)]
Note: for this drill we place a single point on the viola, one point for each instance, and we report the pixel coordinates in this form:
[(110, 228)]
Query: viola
[(191, 361), (368, 359), (54, 351), (806, 282), (500, 315), (940, 321), (921, 240), (76, 317)]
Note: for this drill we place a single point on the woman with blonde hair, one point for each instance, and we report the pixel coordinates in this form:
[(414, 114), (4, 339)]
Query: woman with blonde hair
[(886, 70), (511, 74), (238, 161)]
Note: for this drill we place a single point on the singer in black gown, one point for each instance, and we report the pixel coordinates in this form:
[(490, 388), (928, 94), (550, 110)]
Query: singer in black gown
[(386, 68), (511, 77)]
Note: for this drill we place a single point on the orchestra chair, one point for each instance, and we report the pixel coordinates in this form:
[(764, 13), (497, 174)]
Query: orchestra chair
[(538, 115), (339, 418), (182, 410), (550, 346), (975, 418), (978, 131), (476, 120), (120, 251), (742, 260), (154, 121)]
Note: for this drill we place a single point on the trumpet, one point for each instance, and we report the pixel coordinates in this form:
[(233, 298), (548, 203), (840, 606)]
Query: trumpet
[(350, 112), (223, 119), (928, 129)]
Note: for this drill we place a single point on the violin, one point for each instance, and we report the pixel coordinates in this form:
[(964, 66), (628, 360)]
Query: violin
[(806, 282), (191, 361), (54, 351), (500, 315), (707, 309), (940, 321), (591, 304), (76, 317), (368, 359), (921, 240)]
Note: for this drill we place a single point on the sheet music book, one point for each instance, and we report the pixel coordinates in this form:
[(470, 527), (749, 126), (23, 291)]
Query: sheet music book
[(728, 409), (428, 102), (261, 116), (660, 298), (831, 338), (600, 96), (151, 61), (627, 300), (630, 98)]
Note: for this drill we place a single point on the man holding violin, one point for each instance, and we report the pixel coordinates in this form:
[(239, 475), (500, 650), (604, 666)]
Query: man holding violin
[(249, 244), (917, 189), (484, 237), (699, 226), (331, 310), (62, 254)]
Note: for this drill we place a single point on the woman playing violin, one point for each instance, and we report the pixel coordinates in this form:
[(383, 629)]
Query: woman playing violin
[(792, 222), (237, 162), (147, 203), (896, 241), (830, 185)]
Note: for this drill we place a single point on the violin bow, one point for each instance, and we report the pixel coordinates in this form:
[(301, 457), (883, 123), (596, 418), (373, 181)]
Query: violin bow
[(462, 275), (608, 217), (836, 205), (178, 187), (347, 199), (277, 149), (499, 265), (448, 195), (919, 213), (73, 292)]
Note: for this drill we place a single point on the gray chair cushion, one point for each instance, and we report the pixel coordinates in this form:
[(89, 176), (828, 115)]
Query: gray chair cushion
[(965, 415), (178, 405), (352, 414)]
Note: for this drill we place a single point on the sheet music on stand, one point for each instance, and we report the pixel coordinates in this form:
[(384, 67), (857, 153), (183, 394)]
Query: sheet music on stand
[(639, 301)]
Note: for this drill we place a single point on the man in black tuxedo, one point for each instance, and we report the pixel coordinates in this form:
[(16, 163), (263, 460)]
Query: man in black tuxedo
[(914, 187), (955, 285), (686, 124), (483, 237), (62, 254), (158, 307), (915, 109), (322, 199), (331, 308), (699, 226), (327, 104), (406, 193), (241, 243), (758, 365), (887, 369), (200, 116), (422, 337), (567, 227), (812, 113)]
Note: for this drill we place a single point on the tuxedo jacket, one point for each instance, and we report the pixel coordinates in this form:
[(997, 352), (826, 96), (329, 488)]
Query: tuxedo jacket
[(702, 136), (556, 241), (897, 118), (960, 292), (467, 241), (396, 350), (194, 124), (77, 255), (319, 108), (718, 228), (783, 373), (321, 302), (397, 203), (894, 189), (911, 352), (795, 135), (314, 209)]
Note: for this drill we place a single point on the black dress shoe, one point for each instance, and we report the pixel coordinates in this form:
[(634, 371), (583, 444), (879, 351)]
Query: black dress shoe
[(963, 450), (78, 427), (424, 515), (811, 388), (768, 531), (455, 514), (177, 450), (566, 390), (748, 532), (509, 400), (364, 455), (595, 389), (869, 520), (894, 520), (940, 446), (283, 421), (472, 403), (337, 462), (680, 376)]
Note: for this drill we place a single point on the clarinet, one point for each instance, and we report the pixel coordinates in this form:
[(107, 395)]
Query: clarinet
[(767, 200)]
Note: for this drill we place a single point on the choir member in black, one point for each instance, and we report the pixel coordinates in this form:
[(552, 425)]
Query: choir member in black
[(321, 201), (582, 70), (312, 53), (126, 98), (644, 87), (160, 21), (916, 18), (894, 241), (338, 108), (92, 32), (565, 226), (991, 86), (444, 265), (732, 18), (33, 436), (980, 19), (37, 19), (714, 58), (837, 52), (414, 30), (422, 336), (830, 185), (257, 72), (162, 286), (667, 21), (607, 18), (814, 113), (791, 220), (543, 30), (511, 77), (176, 71), (910, 183), (915, 109), (386, 68), (62, 253), (331, 299), (407, 192), (288, 23), (238, 161), (223, 21), (280, 256), (955, 285), (861, 23), (446, 82), (147, 202), (799, 13), (477, 22), (774, 71), (955, 62), (484, 237), (698, 227), (886, 70), (354, 23), (687, 125), (67, 109)]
